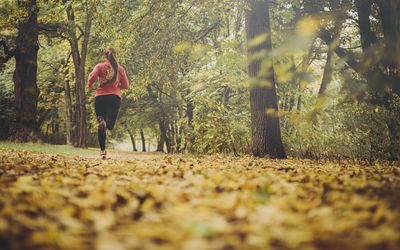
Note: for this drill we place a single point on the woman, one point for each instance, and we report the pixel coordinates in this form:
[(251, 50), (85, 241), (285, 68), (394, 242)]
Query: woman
[(112, 78)]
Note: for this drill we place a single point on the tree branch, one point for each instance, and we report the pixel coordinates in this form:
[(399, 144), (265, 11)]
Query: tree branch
[(53, 29), (8, 53), (345, 54), (215, 25)]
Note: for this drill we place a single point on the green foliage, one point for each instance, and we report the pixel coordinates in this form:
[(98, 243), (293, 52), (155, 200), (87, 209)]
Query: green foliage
[(356, 131), (220, 129), (220, 97), (6, 99)]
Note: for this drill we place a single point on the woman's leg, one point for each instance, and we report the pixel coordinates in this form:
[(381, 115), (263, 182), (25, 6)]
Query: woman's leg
[(100, 105), (113, 102)]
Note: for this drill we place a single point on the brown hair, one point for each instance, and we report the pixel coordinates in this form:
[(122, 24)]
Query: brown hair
[(110, 55)]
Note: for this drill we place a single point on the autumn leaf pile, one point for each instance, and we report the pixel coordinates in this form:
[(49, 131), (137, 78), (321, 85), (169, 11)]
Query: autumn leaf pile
[(182, 202)]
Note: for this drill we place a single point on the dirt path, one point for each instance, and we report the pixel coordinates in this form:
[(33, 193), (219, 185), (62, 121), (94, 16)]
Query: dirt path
[(127, 156), (89, 153)]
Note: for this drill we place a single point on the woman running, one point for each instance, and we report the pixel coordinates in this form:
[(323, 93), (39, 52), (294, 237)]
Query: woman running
[(112, 78)]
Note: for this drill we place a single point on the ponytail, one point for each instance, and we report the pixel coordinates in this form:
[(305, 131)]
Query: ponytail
[(110, 55)]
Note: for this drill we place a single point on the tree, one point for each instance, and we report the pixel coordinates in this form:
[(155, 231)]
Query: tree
[(266, 134), (379, 60), (70, 132), (79, 59), (26, 92), (328, 70), (131, 136), (143, 140)]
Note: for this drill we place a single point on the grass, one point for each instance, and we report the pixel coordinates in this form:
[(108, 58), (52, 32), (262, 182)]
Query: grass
[(72, 151), (47, 148)]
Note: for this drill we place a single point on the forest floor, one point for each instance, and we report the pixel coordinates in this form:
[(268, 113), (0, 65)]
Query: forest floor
[(60, 198)]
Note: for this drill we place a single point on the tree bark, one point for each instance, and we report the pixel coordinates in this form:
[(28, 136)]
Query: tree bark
[(143, 140), (132, 140), (163, 134), (266, 133), (168, 142), (285, 105), (368, 68), (172, 137), (299, 103), (130, 136), (330, 60), (68, 106), (8, 54), (79, 59), (69, 114), (291, 103), (24, 127), (327, 76), (389, 12), (189, 135), (301, 73), (162, 119)]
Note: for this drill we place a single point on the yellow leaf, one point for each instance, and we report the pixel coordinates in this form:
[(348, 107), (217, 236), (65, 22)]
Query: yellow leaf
[(308, 26), (272, 112), (182, 47), (256, 41)]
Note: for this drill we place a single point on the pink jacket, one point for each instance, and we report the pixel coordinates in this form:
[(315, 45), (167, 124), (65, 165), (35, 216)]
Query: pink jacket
[(100, 72)]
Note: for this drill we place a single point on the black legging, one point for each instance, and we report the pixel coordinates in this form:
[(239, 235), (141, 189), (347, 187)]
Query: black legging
[(106, 107)]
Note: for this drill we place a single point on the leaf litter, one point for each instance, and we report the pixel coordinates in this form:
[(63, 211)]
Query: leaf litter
[(183, 202)]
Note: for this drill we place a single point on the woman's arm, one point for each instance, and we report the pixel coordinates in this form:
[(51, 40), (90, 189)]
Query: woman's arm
[(124, 82), (93, 76)]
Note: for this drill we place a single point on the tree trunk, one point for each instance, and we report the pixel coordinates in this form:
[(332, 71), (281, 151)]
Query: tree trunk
[(291, 103), (81, 115), (328, 71), (181, 137), (299, 103), (283, 102), (69, 114), (163, 134), (226, 94), (79, 59), (330, 57), (389, 12), (160, 145), (368, 68), (179, 128), (162, 120), (143, 140), (68, 107), (285, 105), (130, 136), (24, 127), (368, 38), (132, 140), (172, 137), (266, 133), (168, 142), (189, 141)]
